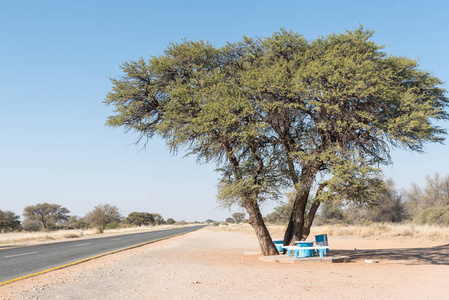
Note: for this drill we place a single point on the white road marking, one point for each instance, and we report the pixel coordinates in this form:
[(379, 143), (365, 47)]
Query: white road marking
[(9, 256), (82, 244), (116, 239)]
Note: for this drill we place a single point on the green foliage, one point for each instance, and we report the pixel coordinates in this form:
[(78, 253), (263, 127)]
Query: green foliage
[(48, 215), (209, 221), (103, 214), (216, 223), (9, 221), (434, 216), (75, 223), (139, 219), (112, 225), (170, 221)]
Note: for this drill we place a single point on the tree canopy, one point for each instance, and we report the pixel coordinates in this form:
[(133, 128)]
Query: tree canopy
[(317, 116), (9, 221), (102, 215), (48, 215), (140, 218)]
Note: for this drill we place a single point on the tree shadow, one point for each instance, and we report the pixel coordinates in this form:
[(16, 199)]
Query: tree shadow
[(438, 255)]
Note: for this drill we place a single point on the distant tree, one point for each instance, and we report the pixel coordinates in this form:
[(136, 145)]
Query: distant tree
[(281, 213), (230, 220), (434, 194), (102, 214), (170, 221), (414, 199), (238, 217), (388, 205), (158, 219), (48, 215), (437, 190), (209, 221), (331, 213), (9, 221), (140, 218)]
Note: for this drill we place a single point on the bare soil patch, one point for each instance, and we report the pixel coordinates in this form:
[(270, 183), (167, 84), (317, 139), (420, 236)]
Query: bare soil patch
[(212, 265)]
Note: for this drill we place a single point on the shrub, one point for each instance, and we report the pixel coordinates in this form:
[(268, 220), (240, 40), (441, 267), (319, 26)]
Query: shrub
[(170, 221), (216, 223), (140, 218), (434, 215), (31, 225), (112, 225)]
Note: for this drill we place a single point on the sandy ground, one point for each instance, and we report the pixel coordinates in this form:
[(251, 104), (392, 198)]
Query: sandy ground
[(212, 265)]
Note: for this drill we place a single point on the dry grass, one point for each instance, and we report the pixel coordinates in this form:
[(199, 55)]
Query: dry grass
[(25, 238), (387, 230), (383, 230)]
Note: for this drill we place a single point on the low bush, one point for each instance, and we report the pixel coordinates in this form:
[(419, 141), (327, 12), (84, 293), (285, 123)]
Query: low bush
[(435, 215), (31, 225), (112, 225)]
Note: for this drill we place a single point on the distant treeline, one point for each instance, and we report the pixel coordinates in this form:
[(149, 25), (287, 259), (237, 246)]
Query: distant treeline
[(421, 205), (46, 216)]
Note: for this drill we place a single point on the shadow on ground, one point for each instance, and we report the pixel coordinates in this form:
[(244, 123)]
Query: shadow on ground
[(438, 255)]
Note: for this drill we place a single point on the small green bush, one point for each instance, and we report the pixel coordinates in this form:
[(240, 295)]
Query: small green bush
[(434, 216), (112, 225), (216, 223), (170, 221)]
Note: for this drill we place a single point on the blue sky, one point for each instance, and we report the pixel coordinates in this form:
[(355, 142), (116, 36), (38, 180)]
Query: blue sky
[(57, 58)]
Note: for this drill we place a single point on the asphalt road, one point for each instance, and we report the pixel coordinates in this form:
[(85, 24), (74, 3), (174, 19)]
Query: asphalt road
[(23, 261)]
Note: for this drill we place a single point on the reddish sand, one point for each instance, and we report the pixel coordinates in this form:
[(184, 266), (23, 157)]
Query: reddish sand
[(212, 265)]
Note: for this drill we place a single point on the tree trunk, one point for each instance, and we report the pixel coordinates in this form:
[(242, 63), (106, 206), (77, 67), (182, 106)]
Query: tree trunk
[(296, 223), (310, 218), (263, 235), (295, 226)]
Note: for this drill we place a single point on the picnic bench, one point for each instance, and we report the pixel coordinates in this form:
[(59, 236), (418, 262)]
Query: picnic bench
[(278, 244), (296, 249)]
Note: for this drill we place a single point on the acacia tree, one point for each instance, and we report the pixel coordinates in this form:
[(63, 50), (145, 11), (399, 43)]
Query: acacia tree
[(139, 218), (103, 214), (9, 221), (238, 217), (48, 215), (283, 111)]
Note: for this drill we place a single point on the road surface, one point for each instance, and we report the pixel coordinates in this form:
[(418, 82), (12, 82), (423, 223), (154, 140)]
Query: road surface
[(24, 261)]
